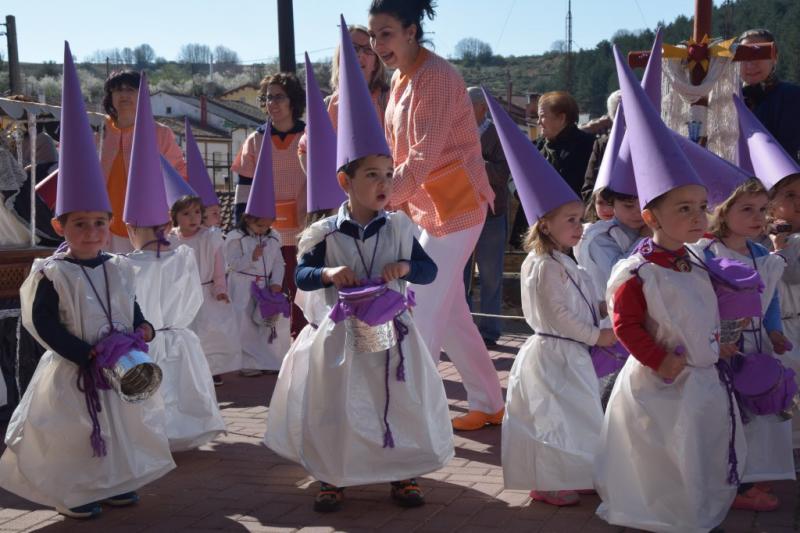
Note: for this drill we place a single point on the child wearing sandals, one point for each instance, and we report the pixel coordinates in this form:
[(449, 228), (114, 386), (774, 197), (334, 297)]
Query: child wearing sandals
[(735, 224), (672, 446), (396, 427), (256, 269), (73, 443), (551, 427)]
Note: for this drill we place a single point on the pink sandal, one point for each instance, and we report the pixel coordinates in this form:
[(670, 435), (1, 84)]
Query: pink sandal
[(755, 500), (559, 498)]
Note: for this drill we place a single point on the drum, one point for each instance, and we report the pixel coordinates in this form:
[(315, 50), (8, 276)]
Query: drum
[(764, 385), (369, 324), (135, 377)]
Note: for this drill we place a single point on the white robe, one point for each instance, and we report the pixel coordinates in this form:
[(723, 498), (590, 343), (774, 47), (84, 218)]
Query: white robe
[(553, 418), (342, 408), (257, 352), (663, 461), (216, 322), (48, 458), (169, 293), (769, 438)]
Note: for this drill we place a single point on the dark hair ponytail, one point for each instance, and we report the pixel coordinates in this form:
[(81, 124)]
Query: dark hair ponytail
[(408, 12)]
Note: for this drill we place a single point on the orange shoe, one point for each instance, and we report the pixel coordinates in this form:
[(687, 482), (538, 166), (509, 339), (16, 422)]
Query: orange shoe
[(559, 498), (477, 419), (755, 500), (764, 486)]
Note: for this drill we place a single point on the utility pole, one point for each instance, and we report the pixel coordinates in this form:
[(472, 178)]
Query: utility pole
[(108, 67), (568, 67), (286, 36), (14, 77)]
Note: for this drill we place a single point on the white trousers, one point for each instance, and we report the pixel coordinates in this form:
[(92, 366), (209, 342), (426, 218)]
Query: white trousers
[(444, 321)]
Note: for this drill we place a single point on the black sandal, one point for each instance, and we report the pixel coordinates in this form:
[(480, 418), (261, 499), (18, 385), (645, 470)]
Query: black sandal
[(329, 498), (407, 493)]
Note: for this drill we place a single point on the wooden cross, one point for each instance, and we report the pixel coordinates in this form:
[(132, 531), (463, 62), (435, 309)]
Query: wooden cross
[(698, 51)]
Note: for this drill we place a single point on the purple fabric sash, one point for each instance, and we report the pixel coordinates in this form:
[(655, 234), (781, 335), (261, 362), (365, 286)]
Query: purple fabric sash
[(607, 360), (738, 288), (91, 379)]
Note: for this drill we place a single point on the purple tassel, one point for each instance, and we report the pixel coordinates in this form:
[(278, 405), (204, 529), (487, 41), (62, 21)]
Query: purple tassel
[(88, 387), (402, 331), (725, 372), (388, 440), (273, 334)]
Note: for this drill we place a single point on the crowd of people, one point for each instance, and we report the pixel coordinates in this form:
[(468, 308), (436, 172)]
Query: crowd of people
[(659, 282)]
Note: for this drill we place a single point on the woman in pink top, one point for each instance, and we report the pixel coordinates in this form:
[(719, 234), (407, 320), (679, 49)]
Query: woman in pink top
[(285, 101), (121, 89), (441, 182), (374, 72)]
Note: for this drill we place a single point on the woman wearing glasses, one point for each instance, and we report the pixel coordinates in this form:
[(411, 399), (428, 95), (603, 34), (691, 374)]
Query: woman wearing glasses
[(284, 101)]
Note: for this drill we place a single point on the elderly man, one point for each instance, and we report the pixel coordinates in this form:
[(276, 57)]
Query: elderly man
[(491, 244)]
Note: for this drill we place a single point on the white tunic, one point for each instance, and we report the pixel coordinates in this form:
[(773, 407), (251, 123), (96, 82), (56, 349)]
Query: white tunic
[(342, 429), (769, 438), (553, 417), (257, 352), (48, 458), (169, 293), (663, 461), (216, 322)]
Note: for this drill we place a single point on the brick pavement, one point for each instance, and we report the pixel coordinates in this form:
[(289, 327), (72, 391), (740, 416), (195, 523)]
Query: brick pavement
[(237, 484)]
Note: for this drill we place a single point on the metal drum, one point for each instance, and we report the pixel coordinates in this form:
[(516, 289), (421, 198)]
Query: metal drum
[(731, 330), (360, 337), (135, 377)]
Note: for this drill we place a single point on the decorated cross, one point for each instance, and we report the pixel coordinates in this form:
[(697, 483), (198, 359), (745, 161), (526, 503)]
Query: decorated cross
[(696, 57)]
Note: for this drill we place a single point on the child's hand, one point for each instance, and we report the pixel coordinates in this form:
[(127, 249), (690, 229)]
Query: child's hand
[(275, 288), (393, 271), (342, 276), (779, 239), (223, 297), (726, 351), (603, 308), (606, 338), (780, 344), (672, 365), (258, 252), (146, 331)]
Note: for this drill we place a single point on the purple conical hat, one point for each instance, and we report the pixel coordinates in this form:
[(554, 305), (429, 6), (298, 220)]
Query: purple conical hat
[(658, 162), (719, 176), (359, 133), (146, 197), (323, 191), (81, 185), (770, 161), (174, 183), (261, 201), (617, 174), (196, 170), (541, 189)]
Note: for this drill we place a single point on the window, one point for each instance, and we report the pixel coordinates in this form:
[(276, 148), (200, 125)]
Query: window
[(169, 110)]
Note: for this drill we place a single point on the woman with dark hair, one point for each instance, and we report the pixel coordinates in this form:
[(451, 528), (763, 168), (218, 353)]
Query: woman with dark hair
[(776, 103), (440, 181), (564, 146), (284, 101), (121, 89)]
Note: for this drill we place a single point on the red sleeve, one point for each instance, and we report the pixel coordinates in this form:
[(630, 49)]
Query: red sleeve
[(630, 310)]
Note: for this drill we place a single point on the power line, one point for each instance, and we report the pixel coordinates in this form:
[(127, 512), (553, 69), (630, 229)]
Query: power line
[(503, 30), (646, 25)]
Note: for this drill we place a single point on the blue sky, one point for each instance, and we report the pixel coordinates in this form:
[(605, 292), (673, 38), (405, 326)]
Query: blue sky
[(518, 27)]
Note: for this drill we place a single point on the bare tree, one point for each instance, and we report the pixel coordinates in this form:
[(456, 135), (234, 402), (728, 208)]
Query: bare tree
[(195, 53), (559, 46), (225, 56), (127, 56), (144, 55), (472, 49)]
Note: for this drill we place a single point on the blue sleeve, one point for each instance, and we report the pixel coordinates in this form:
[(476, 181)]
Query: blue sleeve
[(772, 318), (605, 252), (308, 275), (423, 269)]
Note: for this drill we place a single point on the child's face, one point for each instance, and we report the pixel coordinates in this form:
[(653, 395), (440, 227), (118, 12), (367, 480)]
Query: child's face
[(604, 210), (259, 225), (372, 183), (747, 217), (682, 215), (212, 216), (786, 203), (86, 232), (190, 218), (629, 213), (565, 225)]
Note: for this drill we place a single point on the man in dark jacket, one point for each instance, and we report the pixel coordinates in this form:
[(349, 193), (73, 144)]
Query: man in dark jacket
[(490, 248)]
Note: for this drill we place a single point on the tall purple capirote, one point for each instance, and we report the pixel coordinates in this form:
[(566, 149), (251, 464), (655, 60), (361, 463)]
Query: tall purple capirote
[(770, 162), (196, 170), (261, 201), (146, 197), (174, 183), (323, 191), (359, 133), (541, 189), (81, 185), (659, 164)]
